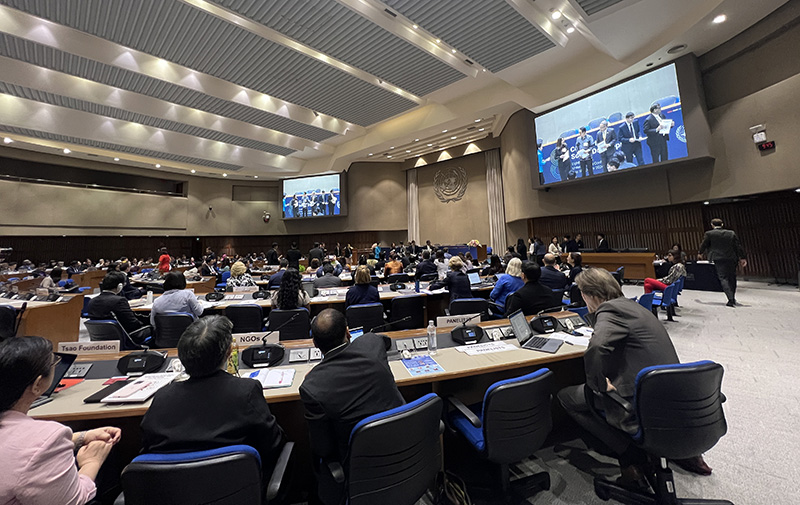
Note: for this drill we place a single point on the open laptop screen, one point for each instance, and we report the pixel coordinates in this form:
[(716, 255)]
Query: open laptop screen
[(520, 325), (61, 369), (474, 278)]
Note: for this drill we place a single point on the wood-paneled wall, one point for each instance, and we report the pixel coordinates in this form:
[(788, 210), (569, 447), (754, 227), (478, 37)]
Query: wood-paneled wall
[(768, 226)]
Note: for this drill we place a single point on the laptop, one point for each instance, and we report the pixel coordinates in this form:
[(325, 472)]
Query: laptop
[(476, 282), (58, 374), (526, 338)]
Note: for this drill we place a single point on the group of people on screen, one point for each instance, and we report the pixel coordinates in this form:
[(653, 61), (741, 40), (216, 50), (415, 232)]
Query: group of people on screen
[(313, 203)]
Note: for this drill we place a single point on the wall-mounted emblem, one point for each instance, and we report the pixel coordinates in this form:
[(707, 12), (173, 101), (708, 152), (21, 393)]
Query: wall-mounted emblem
[(450, 184)]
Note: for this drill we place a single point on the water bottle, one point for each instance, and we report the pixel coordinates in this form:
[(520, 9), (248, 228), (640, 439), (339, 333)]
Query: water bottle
[(416, 285), (149, 298), (432, 346)]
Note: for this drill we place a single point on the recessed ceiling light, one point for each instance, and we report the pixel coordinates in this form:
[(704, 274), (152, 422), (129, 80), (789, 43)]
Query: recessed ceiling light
[(438, 40), (193, 171), (255, 177), (224, 175), (388, 155), (477, 120), (7, 140), (720, 19), (453, 51), (391, 147), (416, 140), (453, 137), (408, 150), (444, 131), (481, 129), (116, 159), (484, 70), (676, 49), (797, 190), (570, 29), (555, 14), (67, 151), (158, 165), (415, 27), (429, 145), (370, 154), (706, 202)]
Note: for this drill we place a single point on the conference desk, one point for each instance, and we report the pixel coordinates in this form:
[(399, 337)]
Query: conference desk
[(206, 285), (638, 266), (55, 321), (464, 376)]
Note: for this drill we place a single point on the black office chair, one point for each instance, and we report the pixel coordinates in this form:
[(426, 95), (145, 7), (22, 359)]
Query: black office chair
[(226, 475), (509, 426), (559, 294), (299, 328), (428, 277), (679, 409), (246, 317), (575, 297), (10, 319), (110, 329), (464, 306), (170, 327), (398, 278), (395, 455), (366, 315), (405, 306), (619, 275), (476, 270)]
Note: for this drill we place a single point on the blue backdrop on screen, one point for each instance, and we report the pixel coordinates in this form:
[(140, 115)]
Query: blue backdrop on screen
[(311, 197)]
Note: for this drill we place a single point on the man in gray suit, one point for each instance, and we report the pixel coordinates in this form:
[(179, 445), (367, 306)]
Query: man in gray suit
[(725, 250)]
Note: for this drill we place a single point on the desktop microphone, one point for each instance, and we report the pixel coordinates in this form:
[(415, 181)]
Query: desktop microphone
[(468, 334), (402, 319), (266, 355), (558, 308)]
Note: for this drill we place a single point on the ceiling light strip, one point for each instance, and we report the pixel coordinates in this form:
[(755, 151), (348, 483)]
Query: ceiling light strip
[(541, 19), (275, 36), (74, 41)]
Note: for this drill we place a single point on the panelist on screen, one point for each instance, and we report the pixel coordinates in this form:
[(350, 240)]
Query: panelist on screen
[(606, 140), (629, 135), (585, 144), (657, 127)]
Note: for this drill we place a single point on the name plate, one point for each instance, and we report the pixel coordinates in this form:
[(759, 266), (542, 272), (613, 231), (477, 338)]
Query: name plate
[(89, 347), (445, 321), (245, 289), (248, 339)]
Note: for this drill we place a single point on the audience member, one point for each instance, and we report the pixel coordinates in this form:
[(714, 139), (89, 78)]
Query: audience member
[(212, 408), (42, 462), (328, 279), (569, 245), (51, 281), (353, 381), (533, 297), (294, 255), (272, 255), (176, 298), (495, 266), (456, 281), (313, 266), (163, 261), (239, 276), (441, 265), (291, 294), (522, 251), (128, 291), (316, 252), (362, 291), (209, 267), (109, 304), (551, 276), (575, 261), (426, 266), (579, 241), (275, 279), (602, 243), (724, 249), (393, 266), (554, 248), (676, 271), (507, 283)]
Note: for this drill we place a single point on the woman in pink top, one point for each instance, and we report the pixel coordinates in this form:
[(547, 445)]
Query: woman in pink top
[(37, 458)]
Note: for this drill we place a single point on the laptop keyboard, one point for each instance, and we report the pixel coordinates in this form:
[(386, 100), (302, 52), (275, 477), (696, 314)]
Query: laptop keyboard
[(536, 343)]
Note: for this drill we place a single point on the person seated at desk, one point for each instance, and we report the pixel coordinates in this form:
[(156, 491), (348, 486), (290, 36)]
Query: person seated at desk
[(393, 266), (367, 262), (276, 278), (313, 266), (362, 291), (109, 304), (51, 281), (353, 381), (291, 294), (128, 291), (426, 266), (335, 263), (239, 277), (507, 283), (626, 339), (213, 408), (328, 279), (495, 267), (209, 267), (456, 281), (575, 261), (533, 297), (73, 268), (676, 271), (176, 298), (554, 248), (441, 264), (42, 462), (551, 276)]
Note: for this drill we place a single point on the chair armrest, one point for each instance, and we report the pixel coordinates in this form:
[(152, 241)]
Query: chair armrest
[(120, 499), (138, 336), (337, 472), (466, 412), (494, 309), (276, 479), (722, 397), (625, 404), (446, 312)]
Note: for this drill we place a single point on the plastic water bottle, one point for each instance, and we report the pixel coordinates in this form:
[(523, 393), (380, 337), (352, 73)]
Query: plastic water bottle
[(149, 298), (432, 346), (416, 285)]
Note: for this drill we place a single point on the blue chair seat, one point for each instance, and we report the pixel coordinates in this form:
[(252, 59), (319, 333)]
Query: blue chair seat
[(472, 434)]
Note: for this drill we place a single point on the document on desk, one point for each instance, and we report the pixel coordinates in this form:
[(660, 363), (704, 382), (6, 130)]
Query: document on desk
[(422, 365), (570, 339), (277, 378), (485, 348), (141, 389)]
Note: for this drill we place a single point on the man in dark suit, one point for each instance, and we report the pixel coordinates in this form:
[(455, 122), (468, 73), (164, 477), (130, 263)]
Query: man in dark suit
[(272, 255), (328, 279), (276, 278), (629, 132), (213, 408), (353, 381), (293, 256), (532, 297), (725, 250), (579, 241), (425, 266), (551, 277), (569, 244), (110, 304), (602, 243), (655, 140), (584, 144), (626, 339), (317, 253), (606, 138), (128, 291)]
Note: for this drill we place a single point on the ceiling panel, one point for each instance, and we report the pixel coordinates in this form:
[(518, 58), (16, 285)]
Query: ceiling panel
[(118, 148), (195, 39), (48, 57), (333, 29), (490, 32), (164, 124), (591, 7)]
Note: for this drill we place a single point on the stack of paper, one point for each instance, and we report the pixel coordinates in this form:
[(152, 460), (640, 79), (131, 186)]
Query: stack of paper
[(141, 389), (277, 378), (485, 348)]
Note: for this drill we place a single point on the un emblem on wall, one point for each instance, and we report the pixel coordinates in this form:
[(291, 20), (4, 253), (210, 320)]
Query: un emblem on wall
[(680, 133), (450, 184)]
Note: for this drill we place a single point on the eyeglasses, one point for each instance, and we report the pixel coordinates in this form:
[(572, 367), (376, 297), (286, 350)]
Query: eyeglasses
[(56, 360)]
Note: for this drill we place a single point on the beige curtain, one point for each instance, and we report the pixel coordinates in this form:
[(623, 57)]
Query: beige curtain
[(413, 205), (494, 192)]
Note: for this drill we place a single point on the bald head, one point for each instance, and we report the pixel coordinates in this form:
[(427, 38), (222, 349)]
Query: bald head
[(329, 330), (549, 259)]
